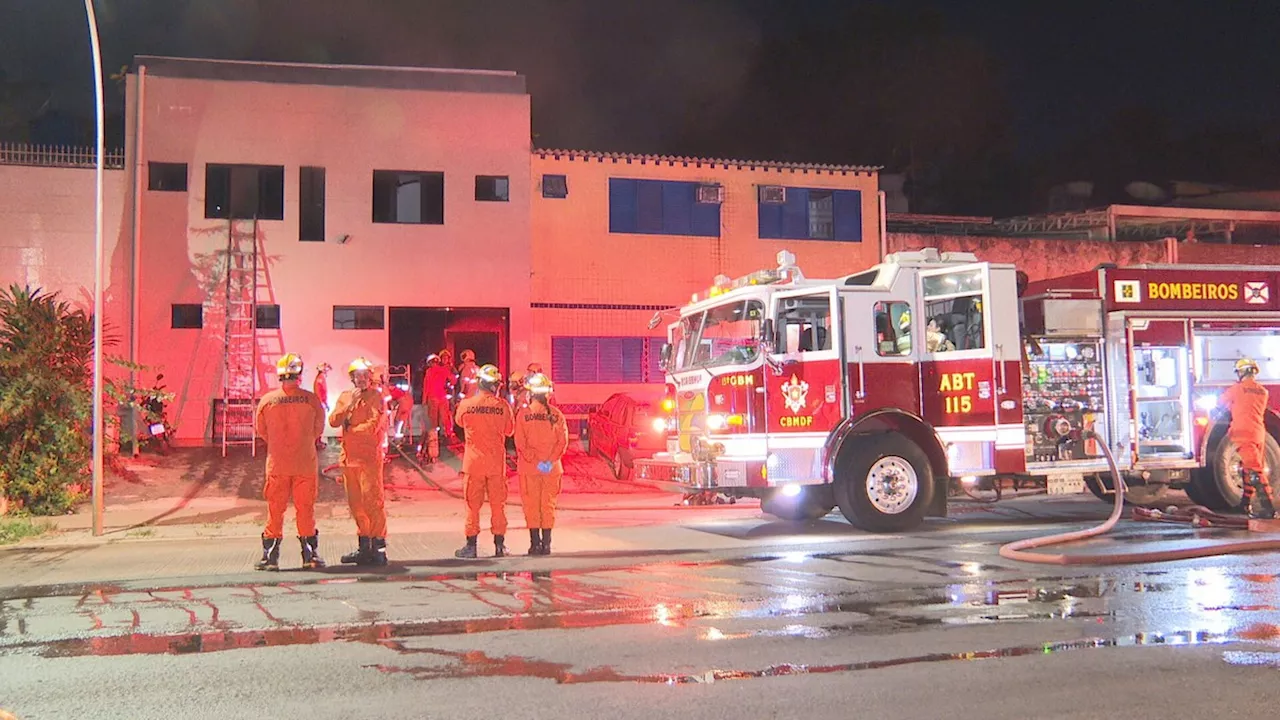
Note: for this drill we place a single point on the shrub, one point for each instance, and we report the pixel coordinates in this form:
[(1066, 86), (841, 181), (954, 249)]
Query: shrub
[(46, 349)]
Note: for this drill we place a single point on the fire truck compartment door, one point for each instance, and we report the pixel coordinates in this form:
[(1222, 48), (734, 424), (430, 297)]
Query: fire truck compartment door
[(809, 397)]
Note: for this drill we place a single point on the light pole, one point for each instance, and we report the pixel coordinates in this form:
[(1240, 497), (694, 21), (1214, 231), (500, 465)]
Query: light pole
[(97, 273)]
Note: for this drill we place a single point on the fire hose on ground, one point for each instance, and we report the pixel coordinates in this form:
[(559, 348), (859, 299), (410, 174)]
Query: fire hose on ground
[(1020, 550)]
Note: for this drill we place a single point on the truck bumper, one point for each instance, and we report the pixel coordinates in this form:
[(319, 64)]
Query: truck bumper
[(683, 474)]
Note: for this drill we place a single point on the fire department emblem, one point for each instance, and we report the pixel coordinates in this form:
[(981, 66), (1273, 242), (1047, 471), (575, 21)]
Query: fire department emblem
[(1257, 293), (794, 393), (1128, 291)]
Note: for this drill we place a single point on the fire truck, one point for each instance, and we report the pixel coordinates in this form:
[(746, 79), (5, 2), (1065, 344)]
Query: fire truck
[(886, 391)]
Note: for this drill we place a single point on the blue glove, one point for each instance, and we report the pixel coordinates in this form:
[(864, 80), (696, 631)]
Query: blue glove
[(544, 467)]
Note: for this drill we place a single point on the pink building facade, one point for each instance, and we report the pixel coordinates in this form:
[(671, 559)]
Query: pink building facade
[(397, 211)]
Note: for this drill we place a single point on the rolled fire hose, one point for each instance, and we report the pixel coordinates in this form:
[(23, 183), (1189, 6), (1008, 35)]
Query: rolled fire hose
[(1018, 550)]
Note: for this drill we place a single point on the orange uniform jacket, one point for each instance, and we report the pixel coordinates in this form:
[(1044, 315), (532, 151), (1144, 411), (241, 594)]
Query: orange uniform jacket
[(290, 419), (488, 421), (362, 417), (540, 437), (1247, 401)]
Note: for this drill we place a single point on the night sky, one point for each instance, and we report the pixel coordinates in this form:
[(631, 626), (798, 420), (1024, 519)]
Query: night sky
[(984, 104)]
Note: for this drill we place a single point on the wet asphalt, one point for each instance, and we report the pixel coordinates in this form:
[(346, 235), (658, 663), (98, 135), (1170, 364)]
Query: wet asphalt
[(927, 625)]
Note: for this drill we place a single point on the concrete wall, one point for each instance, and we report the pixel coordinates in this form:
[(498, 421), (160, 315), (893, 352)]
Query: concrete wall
[(1040, 258), (577, 261), (479, 257)]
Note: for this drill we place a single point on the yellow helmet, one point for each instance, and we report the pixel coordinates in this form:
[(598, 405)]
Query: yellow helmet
[(517, 378), (1246, 366), (489, 374), (468, 355), (538, 384), (359, 365), (534, 367), (904, 322), (289, 366)]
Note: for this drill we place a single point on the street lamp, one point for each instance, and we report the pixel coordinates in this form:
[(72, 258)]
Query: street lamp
[(97, 273)]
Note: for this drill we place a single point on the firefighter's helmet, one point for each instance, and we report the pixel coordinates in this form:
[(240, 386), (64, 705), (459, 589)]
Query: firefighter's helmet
[(488, 376), (359, 365), (1246, 367), (904, 322), (538, 384), (534, 368), (323, 368), (432, 359), (516, 380), (468, 356), (289, 367)]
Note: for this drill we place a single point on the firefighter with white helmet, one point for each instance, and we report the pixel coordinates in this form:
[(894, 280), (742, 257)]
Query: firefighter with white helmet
[(541, 438), (488, 422), (362, 415), (1247, 403), (289, 419)]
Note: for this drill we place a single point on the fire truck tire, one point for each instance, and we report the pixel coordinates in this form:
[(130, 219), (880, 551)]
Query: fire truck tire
[(816, 501), (884, 483), (1222, 488)]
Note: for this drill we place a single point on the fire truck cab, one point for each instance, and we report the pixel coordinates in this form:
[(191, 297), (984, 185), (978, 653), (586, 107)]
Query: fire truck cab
[(883, 391)]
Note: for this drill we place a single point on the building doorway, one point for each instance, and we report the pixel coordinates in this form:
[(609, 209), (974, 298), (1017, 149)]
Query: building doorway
[(415, 332)]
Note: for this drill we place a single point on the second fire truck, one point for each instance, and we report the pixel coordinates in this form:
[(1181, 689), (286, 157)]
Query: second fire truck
[(883, 391)]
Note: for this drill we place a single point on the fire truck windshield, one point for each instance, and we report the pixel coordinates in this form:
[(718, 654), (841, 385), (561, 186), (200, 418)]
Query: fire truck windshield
[(723, 335)]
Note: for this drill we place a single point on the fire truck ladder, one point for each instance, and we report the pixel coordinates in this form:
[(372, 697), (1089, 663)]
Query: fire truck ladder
[(240, 342)]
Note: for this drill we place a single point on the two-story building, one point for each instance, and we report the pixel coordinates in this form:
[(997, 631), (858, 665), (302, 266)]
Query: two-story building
[(390, 212)]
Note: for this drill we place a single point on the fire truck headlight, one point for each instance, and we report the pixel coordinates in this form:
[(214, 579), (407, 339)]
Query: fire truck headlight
[(791, 490), (1207, 402), (717, 422), (659, 425)]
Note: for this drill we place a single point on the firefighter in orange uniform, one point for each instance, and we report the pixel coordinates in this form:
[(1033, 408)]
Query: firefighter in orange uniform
[(289, 420), (468, 384), (488, 422), (399, 404), (541, 438), (435, 395), (1247, 403), (362, 415)]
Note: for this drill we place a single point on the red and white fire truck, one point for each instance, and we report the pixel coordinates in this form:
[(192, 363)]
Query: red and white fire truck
[(885, 391)]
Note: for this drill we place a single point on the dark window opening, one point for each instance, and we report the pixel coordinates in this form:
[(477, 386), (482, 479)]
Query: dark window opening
[(358, 317), (187, 317), (415, 198), (311, 204), (660, 207), (244, 192), (167, 177), (267, 317), (555, 186), (493, 188), (810, 214)]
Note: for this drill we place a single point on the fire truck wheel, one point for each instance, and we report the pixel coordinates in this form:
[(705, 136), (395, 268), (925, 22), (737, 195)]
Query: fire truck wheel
[(1223, 489), (884, 483), (814, 502)]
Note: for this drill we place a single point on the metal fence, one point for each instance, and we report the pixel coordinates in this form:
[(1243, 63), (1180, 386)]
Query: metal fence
[(65, 156)]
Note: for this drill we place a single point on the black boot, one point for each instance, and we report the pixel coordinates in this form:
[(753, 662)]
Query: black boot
[(468, 550), (535, 542), (377, 556), (311, 559), (270, 554), (1263, 498), (354, 558), (546, 541), (499, 545)]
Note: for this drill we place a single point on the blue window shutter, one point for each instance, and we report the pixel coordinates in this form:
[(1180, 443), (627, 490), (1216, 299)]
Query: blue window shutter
[(622, 206), (770, 220), (677, 207), (653, 373), (706, 219), (795, 214), (633, 360), (649, 207), (610, 360), (848, 215), (561, 359), (585, 360)]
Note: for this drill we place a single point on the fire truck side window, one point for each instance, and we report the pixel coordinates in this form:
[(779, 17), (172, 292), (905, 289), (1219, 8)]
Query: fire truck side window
[(804, 324), (893, 329), (954, 312)]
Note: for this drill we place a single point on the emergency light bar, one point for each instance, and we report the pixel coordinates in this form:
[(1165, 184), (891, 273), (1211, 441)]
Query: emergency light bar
[(785, 272)]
